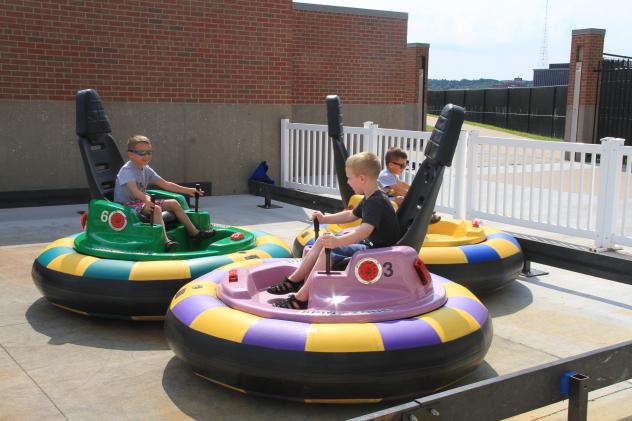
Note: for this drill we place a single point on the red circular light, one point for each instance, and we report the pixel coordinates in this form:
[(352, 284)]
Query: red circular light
[(368, 270), (237, 236), (117, 220)]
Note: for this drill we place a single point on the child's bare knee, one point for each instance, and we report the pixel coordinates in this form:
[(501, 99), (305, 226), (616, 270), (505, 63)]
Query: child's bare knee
[(157, 208), (171, 205)]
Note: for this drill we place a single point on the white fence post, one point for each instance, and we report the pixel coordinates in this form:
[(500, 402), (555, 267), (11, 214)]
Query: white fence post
[(285, 150), (470, 182), (608, 190), (371, 145), (460, 178)]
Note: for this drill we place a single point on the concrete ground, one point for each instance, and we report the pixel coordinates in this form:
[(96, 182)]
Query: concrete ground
[(59, 365)]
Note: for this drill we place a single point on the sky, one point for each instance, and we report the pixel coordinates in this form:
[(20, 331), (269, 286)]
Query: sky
[(502, 40)]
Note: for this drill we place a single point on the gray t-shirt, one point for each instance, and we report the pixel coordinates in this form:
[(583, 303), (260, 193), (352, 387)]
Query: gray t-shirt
[(387, 178), (128, 172)]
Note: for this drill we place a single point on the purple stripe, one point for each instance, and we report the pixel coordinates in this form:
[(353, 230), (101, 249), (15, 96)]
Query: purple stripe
[(407, 333), (191, 307), (213, 276), (277, 334), (476, 309)]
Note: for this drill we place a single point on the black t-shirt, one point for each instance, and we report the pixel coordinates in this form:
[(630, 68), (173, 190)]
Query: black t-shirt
[(376, 210)]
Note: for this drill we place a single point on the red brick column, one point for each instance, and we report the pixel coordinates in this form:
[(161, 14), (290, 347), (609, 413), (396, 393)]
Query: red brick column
[(585, 57)]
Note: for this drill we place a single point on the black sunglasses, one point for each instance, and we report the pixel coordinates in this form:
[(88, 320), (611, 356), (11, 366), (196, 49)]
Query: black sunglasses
[(141, 153), (402, 166)]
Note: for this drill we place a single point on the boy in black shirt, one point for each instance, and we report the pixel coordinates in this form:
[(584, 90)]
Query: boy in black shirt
[(379, 228)]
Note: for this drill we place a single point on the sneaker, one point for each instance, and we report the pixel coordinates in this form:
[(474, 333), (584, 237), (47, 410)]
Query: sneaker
[(435, 218)]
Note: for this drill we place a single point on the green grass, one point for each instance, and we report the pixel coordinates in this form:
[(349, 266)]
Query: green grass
[(500, 129)]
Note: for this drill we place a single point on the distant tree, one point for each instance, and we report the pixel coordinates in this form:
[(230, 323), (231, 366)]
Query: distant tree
[(445, 84)]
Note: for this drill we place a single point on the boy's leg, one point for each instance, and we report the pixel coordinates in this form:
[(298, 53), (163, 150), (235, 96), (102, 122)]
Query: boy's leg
[(156, 216), (307, 264), (172, 205), (319, 265)]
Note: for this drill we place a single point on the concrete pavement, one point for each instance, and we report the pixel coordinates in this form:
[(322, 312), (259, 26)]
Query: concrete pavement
[(59, 365)]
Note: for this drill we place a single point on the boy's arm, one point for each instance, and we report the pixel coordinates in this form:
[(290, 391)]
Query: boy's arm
[(139, 195), (176, 188), (338, 218), (351, 237), (399, 189)]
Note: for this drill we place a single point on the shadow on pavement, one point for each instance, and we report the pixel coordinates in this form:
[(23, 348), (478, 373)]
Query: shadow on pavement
[(203, 400), (508, 300), (66, 327)]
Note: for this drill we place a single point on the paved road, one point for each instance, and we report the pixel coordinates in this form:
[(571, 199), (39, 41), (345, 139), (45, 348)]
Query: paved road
[(59, 365)]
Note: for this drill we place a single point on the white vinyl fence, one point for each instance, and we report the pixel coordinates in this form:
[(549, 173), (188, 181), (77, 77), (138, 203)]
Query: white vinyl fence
[(569, 188)]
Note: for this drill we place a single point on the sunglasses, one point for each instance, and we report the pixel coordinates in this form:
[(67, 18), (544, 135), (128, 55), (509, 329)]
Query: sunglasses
[(141, 153), (402, 166)]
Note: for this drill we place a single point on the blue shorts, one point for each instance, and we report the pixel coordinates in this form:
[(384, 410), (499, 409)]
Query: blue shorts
[(340, 253)]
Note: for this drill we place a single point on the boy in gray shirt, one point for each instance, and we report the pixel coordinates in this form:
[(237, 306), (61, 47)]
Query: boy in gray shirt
[(132, 181)]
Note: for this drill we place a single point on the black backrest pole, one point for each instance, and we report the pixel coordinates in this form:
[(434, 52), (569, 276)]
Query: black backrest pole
[(415, 212), (334, 124)]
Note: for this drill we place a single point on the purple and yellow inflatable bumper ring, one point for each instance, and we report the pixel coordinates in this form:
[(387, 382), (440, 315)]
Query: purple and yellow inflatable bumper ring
[(381, 328)]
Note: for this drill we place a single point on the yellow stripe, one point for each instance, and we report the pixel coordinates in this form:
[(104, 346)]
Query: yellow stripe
[(72, 263), (160, 270), (203, 288), (62, 242), (452, 289), (242, 264), (343, 337), (442, 255), (488, 230), (224, 323), (352, 401), (222, 384), (504, 248), (450, 323)]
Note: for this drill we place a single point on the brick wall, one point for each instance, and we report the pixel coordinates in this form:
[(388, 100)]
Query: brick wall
[(209, 52), (587, 48), (591, 44), (362, 58), (208, 81), (159, 51)]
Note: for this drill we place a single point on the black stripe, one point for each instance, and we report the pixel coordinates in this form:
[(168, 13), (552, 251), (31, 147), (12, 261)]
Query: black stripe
[(299, 375), (106, 297)]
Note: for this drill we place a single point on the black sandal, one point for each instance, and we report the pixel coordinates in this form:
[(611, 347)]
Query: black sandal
[(203, 235), (171, 246), (285, 287), (292, 303)]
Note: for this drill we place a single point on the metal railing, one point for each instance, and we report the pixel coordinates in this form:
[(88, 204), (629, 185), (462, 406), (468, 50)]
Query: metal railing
[(568, 188)]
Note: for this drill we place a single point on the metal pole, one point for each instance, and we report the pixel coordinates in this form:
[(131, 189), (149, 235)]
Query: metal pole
[(578, 397)]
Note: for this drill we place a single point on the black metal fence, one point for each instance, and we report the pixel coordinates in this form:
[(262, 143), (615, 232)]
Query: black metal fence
[(540, 110), (614, 116)]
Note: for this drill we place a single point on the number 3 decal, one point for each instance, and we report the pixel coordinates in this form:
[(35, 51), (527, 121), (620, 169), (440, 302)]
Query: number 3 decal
[(388, 269)]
